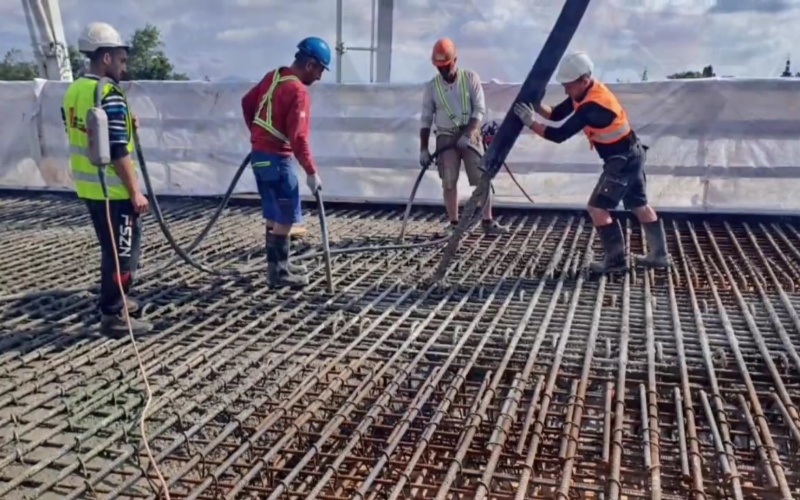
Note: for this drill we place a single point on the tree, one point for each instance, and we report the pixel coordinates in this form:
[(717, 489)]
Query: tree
[(708, 72), (147, 59), (77, 61), (15, 68)]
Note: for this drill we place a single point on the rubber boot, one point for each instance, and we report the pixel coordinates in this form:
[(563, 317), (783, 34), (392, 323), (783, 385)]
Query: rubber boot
[(295, 268), (614, 260), (491, 227), (278, 273), (657, 247)]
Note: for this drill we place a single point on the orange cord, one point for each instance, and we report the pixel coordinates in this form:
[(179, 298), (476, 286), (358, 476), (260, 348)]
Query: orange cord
[(161, 479)]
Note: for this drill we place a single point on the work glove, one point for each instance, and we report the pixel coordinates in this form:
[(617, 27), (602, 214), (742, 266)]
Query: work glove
[(424, 158), (525, 113), (314, 183)]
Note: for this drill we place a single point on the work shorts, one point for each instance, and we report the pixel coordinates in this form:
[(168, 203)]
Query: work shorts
[(449, 162), (623, 180), (278, 188)]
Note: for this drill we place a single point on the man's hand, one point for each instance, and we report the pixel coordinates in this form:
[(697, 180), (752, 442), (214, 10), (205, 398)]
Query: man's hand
[(424, 158), (135, 121), (526, 113), (314, 183), (140, 203)]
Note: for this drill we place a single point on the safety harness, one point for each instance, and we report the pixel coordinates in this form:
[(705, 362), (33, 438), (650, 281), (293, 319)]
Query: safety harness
[(463, 90)]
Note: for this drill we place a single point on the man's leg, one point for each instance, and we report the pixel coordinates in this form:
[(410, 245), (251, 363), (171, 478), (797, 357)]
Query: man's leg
[(635, 200), (606, 196), (472, 165), (127, 238), (448, 164), (285, 195)]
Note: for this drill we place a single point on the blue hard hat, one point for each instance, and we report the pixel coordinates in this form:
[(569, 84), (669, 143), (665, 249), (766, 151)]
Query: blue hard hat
[(316, 48)]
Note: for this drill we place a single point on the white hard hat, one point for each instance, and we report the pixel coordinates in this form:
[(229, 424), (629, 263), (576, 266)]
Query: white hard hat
[(573, 67), (99, 36)]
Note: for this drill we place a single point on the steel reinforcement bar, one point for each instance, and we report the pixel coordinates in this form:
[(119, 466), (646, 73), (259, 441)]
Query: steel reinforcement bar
[(520, 378)]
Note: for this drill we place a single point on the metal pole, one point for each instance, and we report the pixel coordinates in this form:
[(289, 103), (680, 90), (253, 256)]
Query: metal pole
[(339, 43), (372, 47)]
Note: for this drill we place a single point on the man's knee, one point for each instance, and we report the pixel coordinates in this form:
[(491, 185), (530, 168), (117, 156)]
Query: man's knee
[(448, 173)]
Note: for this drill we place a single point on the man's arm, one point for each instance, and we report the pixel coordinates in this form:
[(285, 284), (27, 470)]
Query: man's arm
[(478, 101), (250, 105), (555, 114), (426, 120), (117, 111), (590, 114), (298, 112)]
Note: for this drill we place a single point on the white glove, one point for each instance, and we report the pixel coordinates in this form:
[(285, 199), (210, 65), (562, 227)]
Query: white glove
[(424, 158), (314, 183), (525, 113)]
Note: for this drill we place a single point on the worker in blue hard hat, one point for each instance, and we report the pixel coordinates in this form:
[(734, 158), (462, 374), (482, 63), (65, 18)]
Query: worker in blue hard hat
[(277, 112), (591, 107)]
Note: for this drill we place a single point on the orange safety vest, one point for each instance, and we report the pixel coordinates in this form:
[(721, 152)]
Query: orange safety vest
[(618, 129)]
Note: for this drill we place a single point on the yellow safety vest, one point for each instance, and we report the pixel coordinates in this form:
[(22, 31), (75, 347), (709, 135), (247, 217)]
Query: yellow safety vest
[(266, 100), (78, 100), (463, 90)]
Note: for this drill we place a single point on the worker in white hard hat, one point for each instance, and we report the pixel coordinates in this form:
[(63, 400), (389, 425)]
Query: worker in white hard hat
[(453, 101), (108, 55), (593, 108)]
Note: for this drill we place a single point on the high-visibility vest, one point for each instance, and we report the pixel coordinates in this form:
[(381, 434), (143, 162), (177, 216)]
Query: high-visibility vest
[(618, 129), (78, 100), (266, 102), (464, 94)]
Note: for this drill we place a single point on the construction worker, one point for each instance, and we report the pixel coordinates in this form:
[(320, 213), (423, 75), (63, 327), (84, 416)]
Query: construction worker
[(108, 56), (595, 110), (453, 101), (277, 112)]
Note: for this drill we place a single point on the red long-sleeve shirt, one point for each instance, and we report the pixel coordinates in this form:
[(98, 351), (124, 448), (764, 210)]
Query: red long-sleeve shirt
[(291, 109)]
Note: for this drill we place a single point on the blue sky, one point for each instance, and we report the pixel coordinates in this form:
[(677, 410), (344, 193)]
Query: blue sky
[(497, 38)]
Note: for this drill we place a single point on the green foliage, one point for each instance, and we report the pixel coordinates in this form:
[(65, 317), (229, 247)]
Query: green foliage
[(708, 72), (146, 61), (15, 68), (78, 62)]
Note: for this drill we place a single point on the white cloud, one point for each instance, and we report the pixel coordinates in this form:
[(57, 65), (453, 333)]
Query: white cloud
[(498, 38)]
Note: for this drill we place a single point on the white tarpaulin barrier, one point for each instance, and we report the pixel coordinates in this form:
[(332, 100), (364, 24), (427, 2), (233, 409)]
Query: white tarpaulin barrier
[(721, 145)]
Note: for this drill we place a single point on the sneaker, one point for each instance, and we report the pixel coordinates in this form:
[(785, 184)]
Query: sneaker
[(115, 326)]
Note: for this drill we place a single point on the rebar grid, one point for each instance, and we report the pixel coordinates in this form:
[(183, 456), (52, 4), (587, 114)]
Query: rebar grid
[(519, 378)]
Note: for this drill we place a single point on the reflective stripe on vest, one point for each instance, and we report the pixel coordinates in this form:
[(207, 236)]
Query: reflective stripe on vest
[(266, 122), (78, 100), (618, 129), (463, 90)]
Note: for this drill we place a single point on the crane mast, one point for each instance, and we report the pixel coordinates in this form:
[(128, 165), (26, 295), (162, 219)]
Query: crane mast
[(47, 38)]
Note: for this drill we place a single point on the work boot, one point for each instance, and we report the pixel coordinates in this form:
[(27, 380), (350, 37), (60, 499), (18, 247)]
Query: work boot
[(491, 227), (613, 241), (278, 273), (115, 326), (295, 268), (657, 247)]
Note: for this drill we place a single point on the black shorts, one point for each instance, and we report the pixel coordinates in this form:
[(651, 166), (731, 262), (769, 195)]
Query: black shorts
[(623, 180)]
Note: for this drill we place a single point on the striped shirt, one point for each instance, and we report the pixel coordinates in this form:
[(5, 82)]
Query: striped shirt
[(434, 112), (116, 108)]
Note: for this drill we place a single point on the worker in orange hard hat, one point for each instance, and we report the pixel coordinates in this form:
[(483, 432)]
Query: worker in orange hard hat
[(453, 101), (590, 106)]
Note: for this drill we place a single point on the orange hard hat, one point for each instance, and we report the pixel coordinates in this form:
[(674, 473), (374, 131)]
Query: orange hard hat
[(444, 52)]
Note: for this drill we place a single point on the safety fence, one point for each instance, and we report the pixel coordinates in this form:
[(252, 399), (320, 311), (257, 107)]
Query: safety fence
[(715, 145)]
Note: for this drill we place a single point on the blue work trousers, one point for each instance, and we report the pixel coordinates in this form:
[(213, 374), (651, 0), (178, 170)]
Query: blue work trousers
[(278, 188)]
